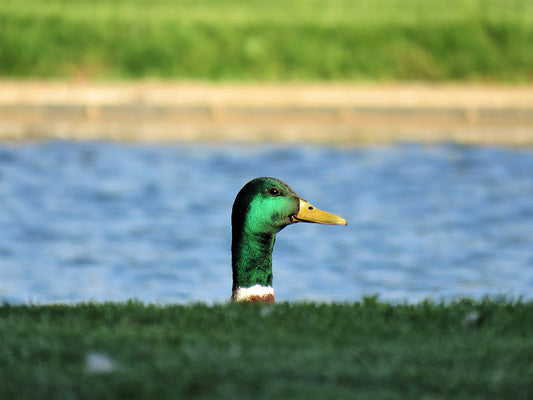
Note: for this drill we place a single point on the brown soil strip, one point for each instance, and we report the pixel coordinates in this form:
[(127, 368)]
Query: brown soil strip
[(310, 113)]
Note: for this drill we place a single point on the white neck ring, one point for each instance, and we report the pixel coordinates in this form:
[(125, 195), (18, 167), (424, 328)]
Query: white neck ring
[(243, 294)]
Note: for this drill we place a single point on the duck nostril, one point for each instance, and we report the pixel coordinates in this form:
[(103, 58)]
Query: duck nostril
[(310, 208)]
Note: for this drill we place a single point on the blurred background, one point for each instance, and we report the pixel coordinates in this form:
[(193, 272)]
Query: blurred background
[(127, 127)]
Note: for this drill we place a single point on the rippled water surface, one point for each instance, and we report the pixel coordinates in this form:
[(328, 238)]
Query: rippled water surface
[(103, 221)]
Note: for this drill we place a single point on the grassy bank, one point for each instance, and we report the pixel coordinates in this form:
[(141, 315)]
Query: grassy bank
[(465, 350), (487, 40)]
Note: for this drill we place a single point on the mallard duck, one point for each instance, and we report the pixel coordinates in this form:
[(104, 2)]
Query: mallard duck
[(261, 209)]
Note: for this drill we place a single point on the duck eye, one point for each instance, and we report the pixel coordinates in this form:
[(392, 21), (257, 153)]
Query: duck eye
[(274, 191)]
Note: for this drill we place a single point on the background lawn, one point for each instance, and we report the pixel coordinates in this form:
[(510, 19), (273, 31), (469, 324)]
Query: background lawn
[(268, 40)]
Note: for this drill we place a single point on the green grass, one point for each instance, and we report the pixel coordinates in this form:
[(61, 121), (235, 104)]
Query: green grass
[(272, 40), (369, 350)]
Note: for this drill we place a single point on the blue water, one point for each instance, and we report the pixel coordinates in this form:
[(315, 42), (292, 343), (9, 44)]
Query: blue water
[(110, 222)]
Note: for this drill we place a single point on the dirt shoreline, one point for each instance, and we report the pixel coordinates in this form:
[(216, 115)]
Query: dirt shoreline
[(226, 112)]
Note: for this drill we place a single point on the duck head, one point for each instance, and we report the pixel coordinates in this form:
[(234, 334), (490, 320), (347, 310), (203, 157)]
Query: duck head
[(261, 209)]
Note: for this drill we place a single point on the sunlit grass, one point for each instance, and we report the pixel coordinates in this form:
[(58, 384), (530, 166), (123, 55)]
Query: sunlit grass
[(268, 40)]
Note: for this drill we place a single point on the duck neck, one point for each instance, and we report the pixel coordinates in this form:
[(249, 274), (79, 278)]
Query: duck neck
[(252, 265)]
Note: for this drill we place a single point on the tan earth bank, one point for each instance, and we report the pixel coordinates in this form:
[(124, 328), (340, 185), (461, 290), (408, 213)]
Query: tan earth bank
[(236, 112)]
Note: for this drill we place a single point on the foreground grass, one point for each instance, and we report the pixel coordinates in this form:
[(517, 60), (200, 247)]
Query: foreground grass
[(465, 350), (269, 39)]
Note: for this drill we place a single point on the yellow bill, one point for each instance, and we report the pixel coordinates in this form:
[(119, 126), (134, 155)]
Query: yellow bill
[(309, 213)]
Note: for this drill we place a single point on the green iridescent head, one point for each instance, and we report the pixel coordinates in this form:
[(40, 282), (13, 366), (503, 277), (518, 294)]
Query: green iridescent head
[(264, 205)]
